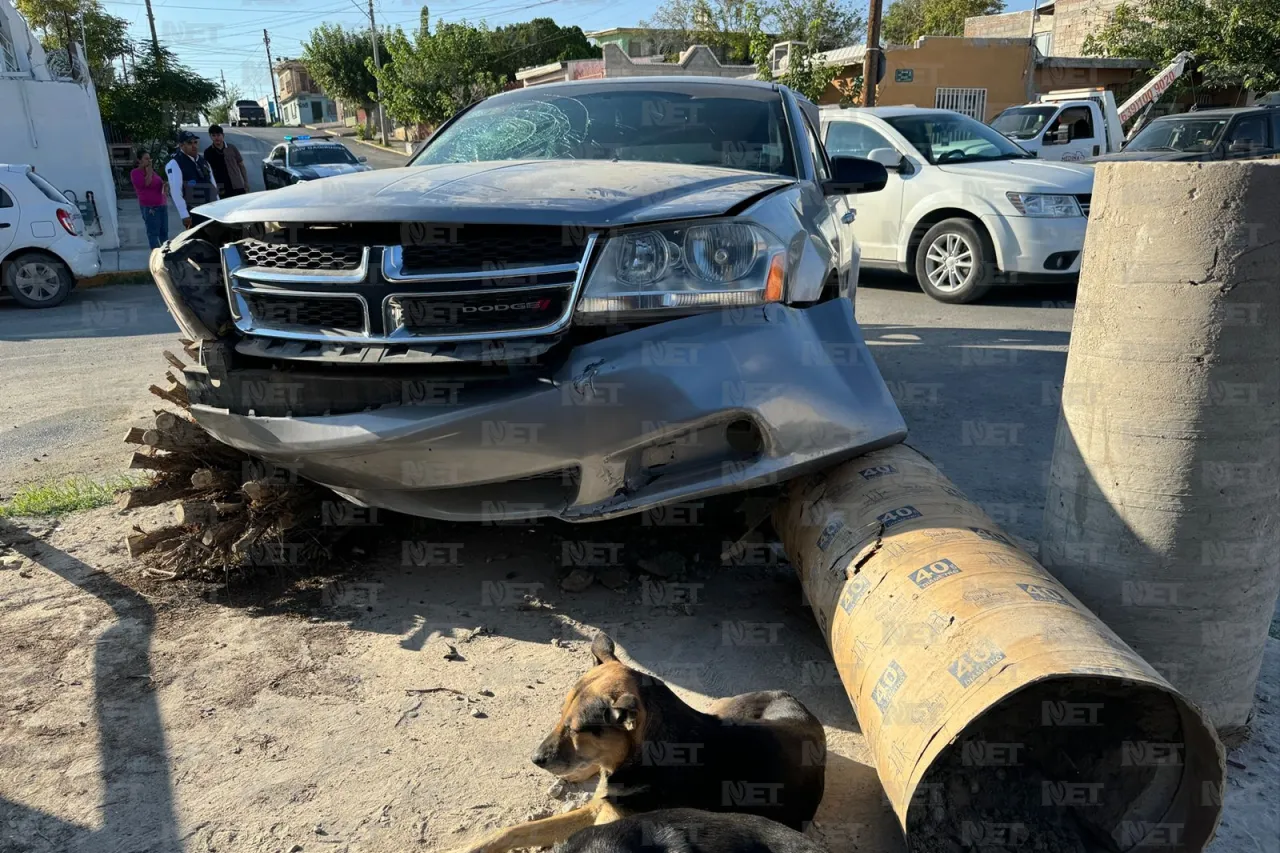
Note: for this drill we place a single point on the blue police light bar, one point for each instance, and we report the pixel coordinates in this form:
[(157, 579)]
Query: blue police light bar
[(295, 138)]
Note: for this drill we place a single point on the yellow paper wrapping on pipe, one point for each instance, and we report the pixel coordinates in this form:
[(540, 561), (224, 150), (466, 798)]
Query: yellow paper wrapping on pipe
[(997, 707)]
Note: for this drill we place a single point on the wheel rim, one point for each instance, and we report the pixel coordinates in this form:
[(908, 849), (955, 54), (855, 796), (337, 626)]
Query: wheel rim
[(949, 262), (38, 281)]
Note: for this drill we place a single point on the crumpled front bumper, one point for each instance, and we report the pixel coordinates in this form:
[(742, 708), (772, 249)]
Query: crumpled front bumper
[(668, 413)]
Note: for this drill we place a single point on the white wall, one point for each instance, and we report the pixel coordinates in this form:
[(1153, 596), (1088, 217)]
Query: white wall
[(55, 126)]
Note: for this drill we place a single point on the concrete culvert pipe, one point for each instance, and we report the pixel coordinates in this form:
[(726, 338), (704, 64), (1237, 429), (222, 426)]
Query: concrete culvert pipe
[(1000, 712), (1163, 507)]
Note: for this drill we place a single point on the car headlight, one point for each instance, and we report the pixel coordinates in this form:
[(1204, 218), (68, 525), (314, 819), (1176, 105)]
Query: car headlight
[(691, 266), (1038, 204)]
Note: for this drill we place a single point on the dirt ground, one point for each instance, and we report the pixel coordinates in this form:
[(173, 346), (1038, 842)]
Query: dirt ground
[(149, 717), (308, 716)]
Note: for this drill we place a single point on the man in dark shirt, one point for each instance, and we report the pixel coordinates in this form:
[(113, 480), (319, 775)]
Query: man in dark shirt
[(227, 164)]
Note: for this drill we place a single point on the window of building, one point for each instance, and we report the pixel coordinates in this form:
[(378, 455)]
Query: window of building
[(1044, 43), (966, 101), (8, 56)]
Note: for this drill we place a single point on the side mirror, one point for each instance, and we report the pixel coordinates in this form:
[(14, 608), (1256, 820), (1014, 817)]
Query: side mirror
[(855, 175), (1059, 136), (363, 159), (887, 157)]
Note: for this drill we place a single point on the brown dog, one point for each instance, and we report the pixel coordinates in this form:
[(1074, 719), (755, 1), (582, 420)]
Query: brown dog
[(758, 753)]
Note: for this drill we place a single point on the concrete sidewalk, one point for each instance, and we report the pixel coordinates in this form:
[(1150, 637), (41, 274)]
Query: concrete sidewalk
[(133, 255)]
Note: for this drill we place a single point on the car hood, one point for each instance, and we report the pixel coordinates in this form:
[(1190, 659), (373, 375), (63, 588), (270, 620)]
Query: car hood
[(329, 170), (520, 192), (1165, 156), (1027, 175)]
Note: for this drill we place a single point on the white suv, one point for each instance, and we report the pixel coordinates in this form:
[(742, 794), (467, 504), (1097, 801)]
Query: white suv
[(42, 247), (964, 208)]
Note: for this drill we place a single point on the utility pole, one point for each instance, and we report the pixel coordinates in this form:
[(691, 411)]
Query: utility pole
[(377, 63), (223, 75), (871, 60), (271, 72), (1031, 52), (155, 42)]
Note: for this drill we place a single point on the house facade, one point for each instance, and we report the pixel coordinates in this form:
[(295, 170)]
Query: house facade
[(979, 77), (49, 119), (301, 100), (1060, 27)]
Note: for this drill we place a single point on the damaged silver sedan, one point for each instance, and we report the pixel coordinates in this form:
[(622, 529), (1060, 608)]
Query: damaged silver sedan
[(578, 300)]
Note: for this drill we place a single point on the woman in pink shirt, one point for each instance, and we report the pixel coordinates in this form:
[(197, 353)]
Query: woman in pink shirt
[(151, 198)]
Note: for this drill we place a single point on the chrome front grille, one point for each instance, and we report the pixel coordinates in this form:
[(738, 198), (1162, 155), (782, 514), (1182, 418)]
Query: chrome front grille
[(1084, 200), (470, 247), (405, 294), (306, 256), (307, 311)]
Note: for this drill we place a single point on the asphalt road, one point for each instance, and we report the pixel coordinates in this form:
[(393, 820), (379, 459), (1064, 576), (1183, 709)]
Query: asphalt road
[(976, 383), (256, 142)]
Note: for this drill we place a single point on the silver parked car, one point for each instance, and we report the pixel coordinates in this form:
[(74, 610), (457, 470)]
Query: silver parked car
[(577, 300)]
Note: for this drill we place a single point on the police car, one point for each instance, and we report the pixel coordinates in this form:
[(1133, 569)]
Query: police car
[(301, 158)]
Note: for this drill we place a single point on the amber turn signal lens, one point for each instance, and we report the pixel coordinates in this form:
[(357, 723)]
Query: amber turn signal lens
[(777, 272)]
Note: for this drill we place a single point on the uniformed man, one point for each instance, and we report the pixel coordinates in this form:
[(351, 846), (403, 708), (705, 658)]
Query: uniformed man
[(191, 181)]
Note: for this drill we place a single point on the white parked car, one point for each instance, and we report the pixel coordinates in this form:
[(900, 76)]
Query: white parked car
[(43, 249), (965, 208)]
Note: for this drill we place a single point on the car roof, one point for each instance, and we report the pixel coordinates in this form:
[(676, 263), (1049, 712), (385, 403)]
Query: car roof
[(1221, 112), (883, 112), (675, 82)]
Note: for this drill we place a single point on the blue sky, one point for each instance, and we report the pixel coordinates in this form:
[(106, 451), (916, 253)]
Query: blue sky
[(226, 35)]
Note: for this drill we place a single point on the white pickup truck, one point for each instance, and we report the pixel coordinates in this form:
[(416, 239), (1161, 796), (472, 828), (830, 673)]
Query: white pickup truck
[(1072, 124), (1079, 124)]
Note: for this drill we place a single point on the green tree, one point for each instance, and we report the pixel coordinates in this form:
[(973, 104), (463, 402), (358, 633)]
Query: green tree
[(805, 74), (946, 17), (907, 20), (728, 26), (903, 22), (536, 42), (340, 60), (106, 37), (824, 24), (721, 25), (435, 74), (149, 107), (1236, 43)]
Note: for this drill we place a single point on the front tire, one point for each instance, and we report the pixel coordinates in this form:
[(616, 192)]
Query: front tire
[(38, 281), (954, 262)]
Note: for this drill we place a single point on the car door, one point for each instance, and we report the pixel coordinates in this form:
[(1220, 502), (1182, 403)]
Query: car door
[(9, 214), (1248, 136), (877, 216), (273, 168), (1074, 135), (836, 224)]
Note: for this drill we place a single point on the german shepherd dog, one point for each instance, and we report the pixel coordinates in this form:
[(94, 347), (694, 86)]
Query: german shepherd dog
[(759, 753)]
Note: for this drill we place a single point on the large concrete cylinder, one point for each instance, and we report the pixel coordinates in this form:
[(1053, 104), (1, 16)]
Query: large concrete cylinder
[(1001, 714), (1163, 506)]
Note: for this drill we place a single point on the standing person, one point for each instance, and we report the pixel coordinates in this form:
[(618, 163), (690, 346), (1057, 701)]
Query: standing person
[(151, 188), (191, 182), (227, 164)]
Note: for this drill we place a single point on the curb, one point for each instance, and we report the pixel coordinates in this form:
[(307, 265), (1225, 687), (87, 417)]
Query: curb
[(122, 277)]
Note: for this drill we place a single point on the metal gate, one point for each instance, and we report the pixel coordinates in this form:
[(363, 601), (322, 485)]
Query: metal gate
[(970, 102)]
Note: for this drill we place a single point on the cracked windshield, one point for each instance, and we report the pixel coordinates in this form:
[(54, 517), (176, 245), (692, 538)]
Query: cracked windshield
[(643, 125)]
